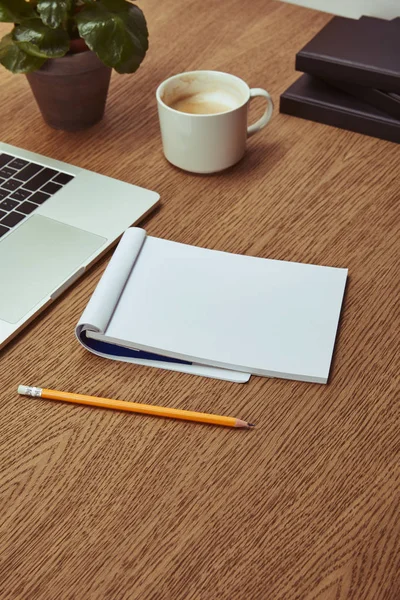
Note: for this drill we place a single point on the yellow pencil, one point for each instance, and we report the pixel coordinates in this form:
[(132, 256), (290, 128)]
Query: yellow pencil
[(147, 409)]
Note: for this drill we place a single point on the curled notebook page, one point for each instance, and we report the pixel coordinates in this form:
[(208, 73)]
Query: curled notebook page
[(109, 289)]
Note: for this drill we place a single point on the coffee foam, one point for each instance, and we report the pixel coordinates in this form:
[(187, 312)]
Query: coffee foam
[(204, 89), (205, 103)]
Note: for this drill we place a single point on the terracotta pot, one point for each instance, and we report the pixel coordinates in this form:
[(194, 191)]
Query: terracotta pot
[(71, 91)]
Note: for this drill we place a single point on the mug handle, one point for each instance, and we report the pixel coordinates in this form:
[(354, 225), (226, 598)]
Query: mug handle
[(267, 114)]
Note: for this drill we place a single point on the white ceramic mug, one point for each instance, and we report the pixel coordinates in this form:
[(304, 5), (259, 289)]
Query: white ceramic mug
[(207, 142)]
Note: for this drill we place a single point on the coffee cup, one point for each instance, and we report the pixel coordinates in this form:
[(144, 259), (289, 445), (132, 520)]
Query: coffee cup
[(204, 119)]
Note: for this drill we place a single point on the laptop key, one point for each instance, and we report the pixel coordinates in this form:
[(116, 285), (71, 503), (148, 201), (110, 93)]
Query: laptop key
[(63, 178), (51, 188), (18, 163), (2, 214), (29, 171), (8, 204), (7, 172), (39, 197), (40, 179), (11, 184), (4, 159), (3, 194), (12, 219), (3, 230), (27, 207), (20, 194)]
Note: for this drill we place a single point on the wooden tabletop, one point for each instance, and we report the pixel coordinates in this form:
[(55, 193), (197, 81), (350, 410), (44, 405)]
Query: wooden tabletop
[(97, 504)]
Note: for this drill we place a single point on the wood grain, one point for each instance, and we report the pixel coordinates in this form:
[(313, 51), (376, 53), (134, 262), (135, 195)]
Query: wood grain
[(101, 505)]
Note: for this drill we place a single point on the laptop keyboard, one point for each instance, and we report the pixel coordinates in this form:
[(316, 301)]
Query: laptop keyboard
[(24, 186)]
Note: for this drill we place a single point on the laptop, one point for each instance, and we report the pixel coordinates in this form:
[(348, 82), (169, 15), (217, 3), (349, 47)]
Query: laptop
[(55, 221)]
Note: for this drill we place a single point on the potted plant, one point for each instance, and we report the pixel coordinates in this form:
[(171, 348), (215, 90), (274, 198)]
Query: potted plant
[(67, 49)]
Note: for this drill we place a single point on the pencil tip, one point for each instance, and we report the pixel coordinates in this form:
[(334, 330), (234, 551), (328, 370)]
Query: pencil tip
[(244, 424)]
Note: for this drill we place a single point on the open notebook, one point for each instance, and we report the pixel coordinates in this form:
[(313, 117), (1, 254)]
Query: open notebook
[(211, 313)]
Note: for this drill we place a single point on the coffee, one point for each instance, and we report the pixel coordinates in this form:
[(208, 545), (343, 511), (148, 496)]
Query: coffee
[(204, 104)]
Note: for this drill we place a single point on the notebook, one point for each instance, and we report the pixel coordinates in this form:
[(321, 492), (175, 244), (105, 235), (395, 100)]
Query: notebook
[(313, 99), (212, 313), (364, 52), (387, 102)]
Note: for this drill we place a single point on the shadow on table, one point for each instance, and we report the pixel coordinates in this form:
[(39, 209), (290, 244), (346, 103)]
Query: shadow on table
[(256, 161)]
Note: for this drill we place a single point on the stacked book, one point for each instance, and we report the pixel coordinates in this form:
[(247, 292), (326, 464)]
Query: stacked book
[(351, 78)]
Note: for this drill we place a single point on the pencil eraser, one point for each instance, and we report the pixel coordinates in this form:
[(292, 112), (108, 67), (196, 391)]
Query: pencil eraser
[(23, 389)]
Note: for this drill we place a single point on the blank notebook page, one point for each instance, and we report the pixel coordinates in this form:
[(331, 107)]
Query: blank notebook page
[(263, 316)]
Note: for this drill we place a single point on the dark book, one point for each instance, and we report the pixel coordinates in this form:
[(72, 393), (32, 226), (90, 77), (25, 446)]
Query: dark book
[(364, 52), (387, 102), (313, 99)]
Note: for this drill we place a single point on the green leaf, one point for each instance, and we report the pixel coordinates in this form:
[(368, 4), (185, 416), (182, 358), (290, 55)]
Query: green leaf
[(15, 59), (53, 12), (33, 37), (14, 11), (116, 31)]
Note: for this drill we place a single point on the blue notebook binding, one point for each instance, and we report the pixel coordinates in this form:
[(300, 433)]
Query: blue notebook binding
[(121, 352)]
